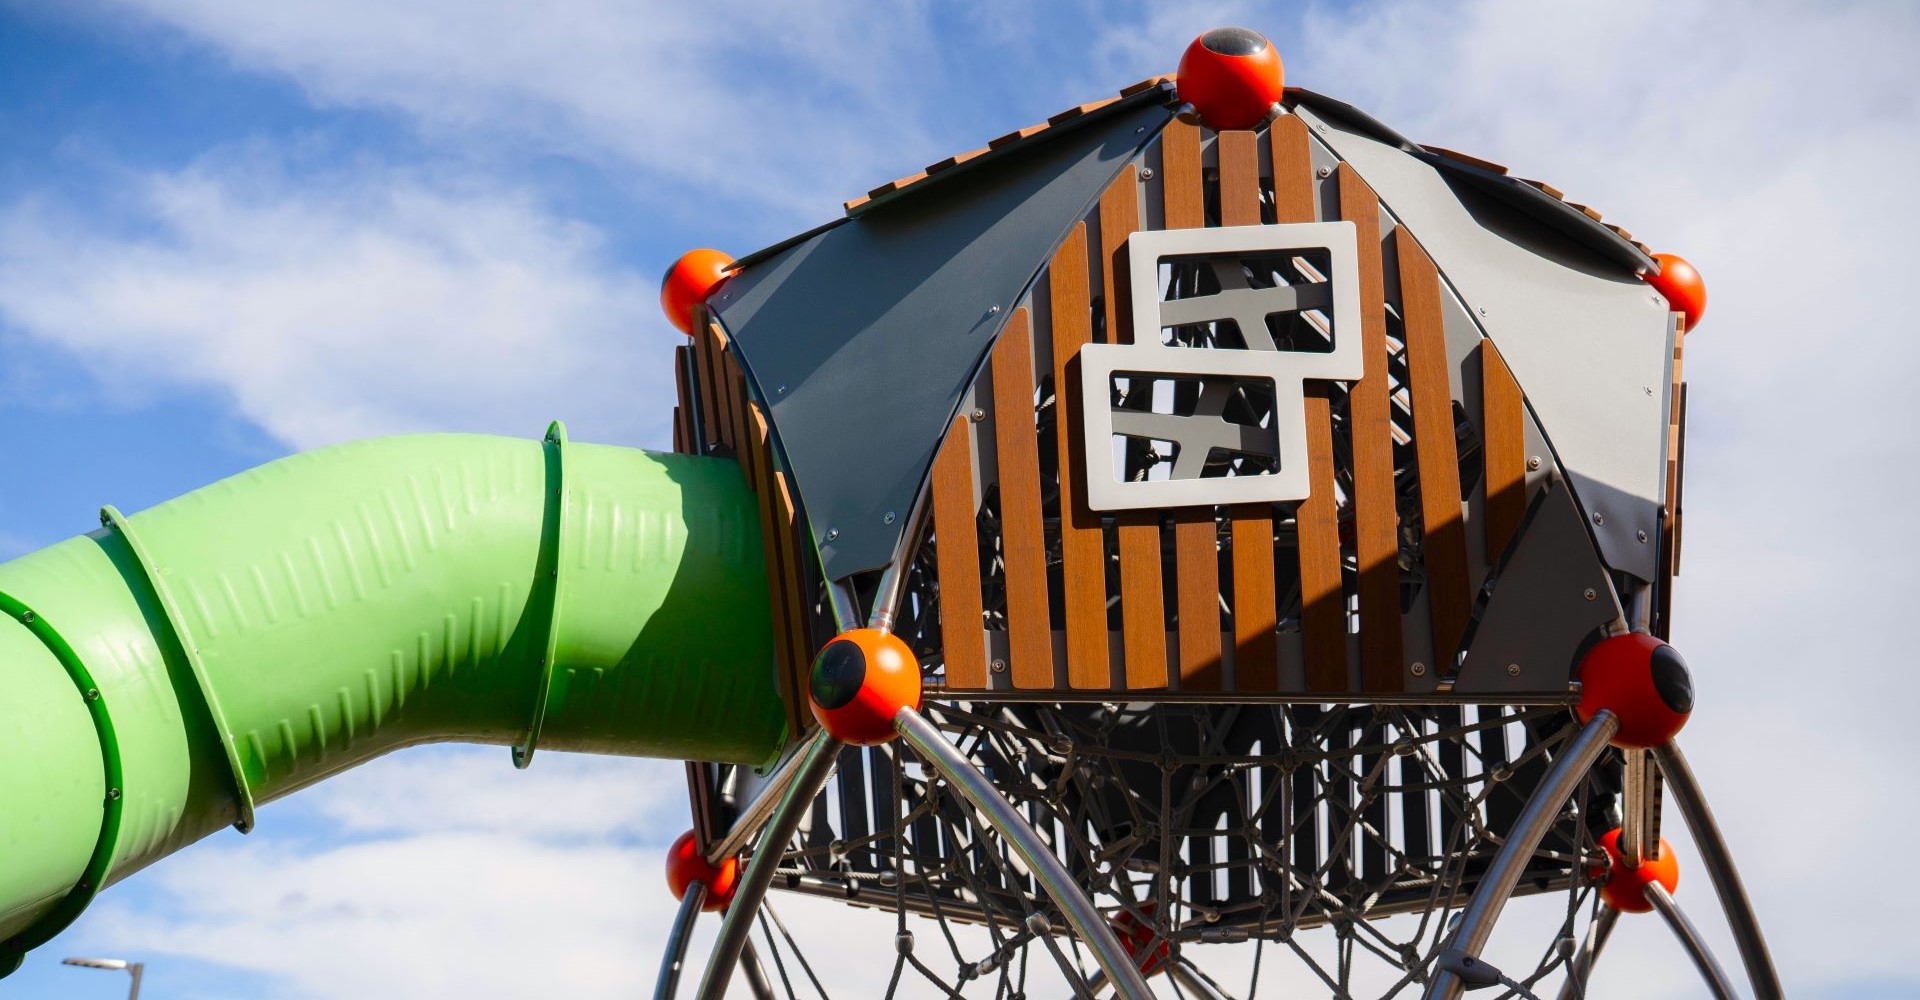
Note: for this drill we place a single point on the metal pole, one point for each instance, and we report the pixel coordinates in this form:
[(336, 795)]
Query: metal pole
[(1074, 903), (1689, 936), (1476, 921), (1581, 967), (754, 816), (135, 969), (817, 762), (669, 981), (757, 982), (1182, 971), (1719, 864)]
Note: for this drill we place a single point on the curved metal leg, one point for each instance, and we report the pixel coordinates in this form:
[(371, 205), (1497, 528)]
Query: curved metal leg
[(1575, 988), (1476, 921), (1196, 986), (816, 763), (757, 983), (1718, 861), (1689, 936), (1074, 902), (669, 981)]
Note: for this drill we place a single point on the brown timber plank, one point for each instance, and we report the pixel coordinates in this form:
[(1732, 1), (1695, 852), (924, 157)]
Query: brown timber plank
[(1503, 425), (1436, 449), (957, 551), (1195, 534), (1029, 626), (682, 390), (703, 375), (755, 453), (1376, 520), (1142, 601), (1083, 549), (1256, 617), (757, 477), (1292, 170), (794, 590), (1323, 603)]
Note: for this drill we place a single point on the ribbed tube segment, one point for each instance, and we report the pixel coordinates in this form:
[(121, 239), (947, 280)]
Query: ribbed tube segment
[(258, 635)]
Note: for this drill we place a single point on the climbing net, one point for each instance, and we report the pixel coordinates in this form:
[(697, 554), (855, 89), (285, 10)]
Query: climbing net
[(1334, 842)]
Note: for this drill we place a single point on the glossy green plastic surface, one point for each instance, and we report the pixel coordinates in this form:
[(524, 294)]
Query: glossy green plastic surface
[(332, 606)]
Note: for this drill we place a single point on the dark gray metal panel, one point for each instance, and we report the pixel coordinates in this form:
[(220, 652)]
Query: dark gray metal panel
[(1586, 340), (864, 337), (1548, 596)]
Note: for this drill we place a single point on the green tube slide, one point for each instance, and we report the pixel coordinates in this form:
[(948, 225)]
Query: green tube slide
[(167, 673)]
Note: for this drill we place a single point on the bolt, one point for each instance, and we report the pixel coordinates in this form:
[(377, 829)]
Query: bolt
[(833, 534), (1599, 518), (1324, 172), (780, 390), (978, 415), (26, 617), (93, 694), (1418, 669), (1642, 535), (1533, 464), (1648, 388), (993, 310), (888, 518), (999, 666), (1483, 310), (1590, 594), (1513, 670), (1146, 173), (113, 793)]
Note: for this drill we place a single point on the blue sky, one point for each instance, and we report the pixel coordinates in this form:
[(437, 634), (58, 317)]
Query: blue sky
[(230, 230)]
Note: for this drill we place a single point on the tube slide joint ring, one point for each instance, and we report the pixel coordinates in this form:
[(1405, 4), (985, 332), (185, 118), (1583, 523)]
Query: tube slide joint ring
[(555, 445)]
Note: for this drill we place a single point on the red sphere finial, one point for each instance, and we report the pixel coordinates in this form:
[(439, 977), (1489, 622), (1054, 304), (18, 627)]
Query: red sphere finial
[(689, 282), (1148, 950), (1625, 889), (1682, 287), (1643, 682), (860, 681), (1232, 77), (685, 866)]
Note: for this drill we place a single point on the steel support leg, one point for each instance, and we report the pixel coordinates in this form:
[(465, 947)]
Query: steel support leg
[(1718, 861), (1075, 904), (1476, 922), (757, 982), (1690, 939), (1191, 981), (817, 762), (1581, 967), (669, 981)]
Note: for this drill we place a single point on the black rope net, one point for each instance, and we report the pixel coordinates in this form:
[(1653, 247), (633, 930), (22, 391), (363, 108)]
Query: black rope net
[(1334, 842)]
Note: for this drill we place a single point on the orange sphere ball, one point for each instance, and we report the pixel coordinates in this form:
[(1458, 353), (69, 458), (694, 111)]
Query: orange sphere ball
[(1625, 889), (1681, 286), (685, 866), (1148, 951), (690, 282), (1232, 77), (1643, 682), (860, 681)]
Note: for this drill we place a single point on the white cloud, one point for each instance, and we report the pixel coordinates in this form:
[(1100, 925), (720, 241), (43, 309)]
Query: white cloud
[(339, 305)]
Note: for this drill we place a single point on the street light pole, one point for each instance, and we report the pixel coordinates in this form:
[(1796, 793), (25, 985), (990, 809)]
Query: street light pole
[(133, 969)]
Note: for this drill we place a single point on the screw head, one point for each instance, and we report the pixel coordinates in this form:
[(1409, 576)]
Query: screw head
[(1513, 670), (993, 310), (780, 390), (887, 518), (1483, 310), (978, 415), (1642, 535), (1418, 670), (1590, 594), (833, 534), (1324, 172), (1599, 518), (1146, 173), (1533, 464), (999, 666)]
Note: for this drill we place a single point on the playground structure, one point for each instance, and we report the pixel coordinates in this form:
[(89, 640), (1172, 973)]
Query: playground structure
[(1206, 517)]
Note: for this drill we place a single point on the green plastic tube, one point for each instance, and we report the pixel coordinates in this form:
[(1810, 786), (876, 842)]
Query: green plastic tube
[(166, 673)]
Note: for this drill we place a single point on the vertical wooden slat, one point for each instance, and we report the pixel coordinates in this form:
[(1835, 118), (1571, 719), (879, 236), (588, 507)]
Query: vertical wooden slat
[(1030, 631), (1083, 550), (1503, 428), (794, 591), (735, 428), (683, 391), (703, 362), (1256, 656), (1676, 443), (957, 550), (1292, 170), (755, 453), (1323, 603), (1142, 603), (1376, 520), (1195, 542), (759, 473), (1436, 449)]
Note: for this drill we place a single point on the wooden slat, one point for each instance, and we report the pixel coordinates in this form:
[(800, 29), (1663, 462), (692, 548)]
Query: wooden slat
[(1503, 430), (1180, 185), (1436, 448), (1142, 601), (1323, 602), (957, 551), (1017, 135), (1471, 160), (732, 422), (703, 371), (1256, 657), (1147, 84), (794, 589), (1376, 520), (1080, 109), (1292, 170), (757, 477), (955, 160), (755, 452), (680, 445), (1195, 535), (1083, 549), (1030, 631), (1119, 219), (683, 391)]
